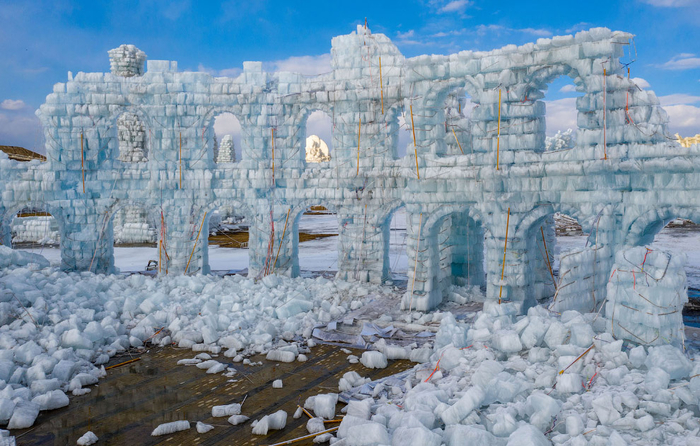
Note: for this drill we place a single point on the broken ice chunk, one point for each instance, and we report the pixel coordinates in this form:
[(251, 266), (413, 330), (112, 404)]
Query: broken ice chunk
[(275, 421), (374, 360), (169, 428), (87, 439)]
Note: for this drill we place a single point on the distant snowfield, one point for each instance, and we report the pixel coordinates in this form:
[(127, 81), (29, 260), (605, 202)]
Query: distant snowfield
[(322, 254)]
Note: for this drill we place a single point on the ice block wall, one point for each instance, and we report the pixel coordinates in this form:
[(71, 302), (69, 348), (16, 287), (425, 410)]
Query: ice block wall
[(142, 135)]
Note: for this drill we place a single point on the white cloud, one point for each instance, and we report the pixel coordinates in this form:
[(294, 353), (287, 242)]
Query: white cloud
[(407, 35), (454, 6), (683, 61), (307, 65), (321, 125), (561, 115), (21, 129), (12, 104), (641, 83), (670, 3), (227, 124), (683, 119), (483, 30), (535, 31), (678, 99), (226, 72), (173, 10), (568, 88)]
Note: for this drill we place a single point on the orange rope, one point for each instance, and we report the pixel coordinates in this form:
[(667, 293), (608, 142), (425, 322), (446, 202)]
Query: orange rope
[(195, 243), (415, 148), (122, 363), (460, 145), (503, 268)]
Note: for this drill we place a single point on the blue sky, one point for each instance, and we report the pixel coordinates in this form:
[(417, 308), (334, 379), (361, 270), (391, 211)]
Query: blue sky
[(40, 41)]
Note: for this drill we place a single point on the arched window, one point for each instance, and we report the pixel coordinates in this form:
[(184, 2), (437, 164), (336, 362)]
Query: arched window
[(319, 137), (226, 139)]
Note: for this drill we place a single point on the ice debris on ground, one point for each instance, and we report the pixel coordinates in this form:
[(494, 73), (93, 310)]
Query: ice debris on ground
[(277, 384), (538, 379), (226, 411), (203, 428), (87, 439), (57, 329), (170, 428), (275, 421)]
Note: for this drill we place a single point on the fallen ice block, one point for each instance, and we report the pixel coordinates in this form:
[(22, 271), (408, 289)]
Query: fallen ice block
[(226, 410), (87, 439), (275, 421), (471, 400), (374, 360), (24, 415), (237, 419), (203, 428), (169, 428)]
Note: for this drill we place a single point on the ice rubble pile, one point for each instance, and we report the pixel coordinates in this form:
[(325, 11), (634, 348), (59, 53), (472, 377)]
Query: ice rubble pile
[(646, 295), (37, 229), (509, 380), (57, 328)]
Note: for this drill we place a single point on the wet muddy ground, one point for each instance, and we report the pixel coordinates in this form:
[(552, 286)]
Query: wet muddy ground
[(125, 406)]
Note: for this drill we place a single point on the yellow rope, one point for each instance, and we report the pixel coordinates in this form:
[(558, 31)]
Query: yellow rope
[(415, 148), (460, 145), (503, 268)]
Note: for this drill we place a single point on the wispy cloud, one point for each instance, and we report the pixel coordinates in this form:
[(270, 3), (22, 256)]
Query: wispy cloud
[(561, 115), (568, 88), (670, 3), (21, 128), (581, 26), (457, 6), (307, 65), (12, 104), (173, 10), (226, 72), (683, 61), (684, 117), (483, 30), (678, 99)]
